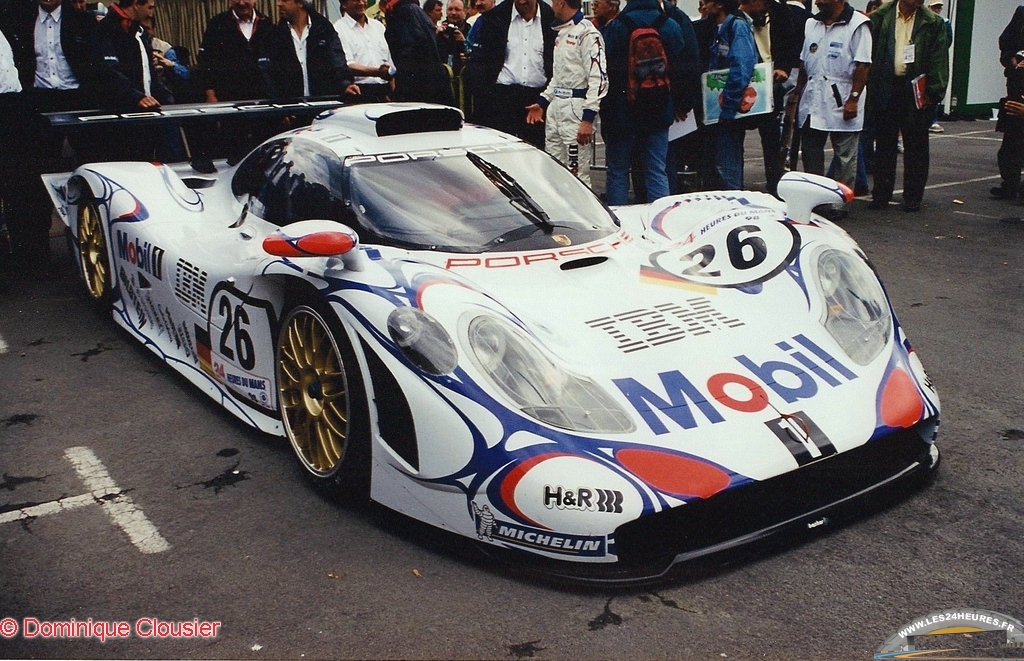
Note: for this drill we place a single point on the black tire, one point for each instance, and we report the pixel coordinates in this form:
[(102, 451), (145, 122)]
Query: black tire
[(322, 401), (93, 256)]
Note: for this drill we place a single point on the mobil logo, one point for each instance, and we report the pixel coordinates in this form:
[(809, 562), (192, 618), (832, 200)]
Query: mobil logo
[(802, 369), (141, 254)]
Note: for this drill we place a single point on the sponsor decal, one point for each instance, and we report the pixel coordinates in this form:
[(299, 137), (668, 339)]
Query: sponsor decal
[(190, 286), (252, 387), (585, 499), (143, 255), (738, 249), (966, 622), (505, 261), (669, 322), (431, 154), (493, 530), (681, 394), (802, 437)]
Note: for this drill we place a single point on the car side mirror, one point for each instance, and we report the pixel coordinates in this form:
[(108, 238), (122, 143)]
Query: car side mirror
[(803, 192), (316, 238)]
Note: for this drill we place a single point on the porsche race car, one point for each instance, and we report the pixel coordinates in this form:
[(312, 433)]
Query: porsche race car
[(441, 318)]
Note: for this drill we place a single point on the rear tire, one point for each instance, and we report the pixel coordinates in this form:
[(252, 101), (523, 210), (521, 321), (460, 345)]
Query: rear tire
[(322, 402), (93, 259)]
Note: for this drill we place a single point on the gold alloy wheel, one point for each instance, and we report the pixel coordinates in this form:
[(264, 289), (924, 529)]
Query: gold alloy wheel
[(92, 251), (313, 391)]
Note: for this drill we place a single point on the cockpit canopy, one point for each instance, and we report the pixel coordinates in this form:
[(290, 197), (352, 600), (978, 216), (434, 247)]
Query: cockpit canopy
[(505, 197)]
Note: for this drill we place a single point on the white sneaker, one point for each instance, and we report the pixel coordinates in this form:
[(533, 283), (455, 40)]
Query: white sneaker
[(935, 128)]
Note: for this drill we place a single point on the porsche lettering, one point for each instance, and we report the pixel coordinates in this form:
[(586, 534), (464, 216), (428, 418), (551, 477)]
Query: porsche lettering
[(682, 393), (506, 261)]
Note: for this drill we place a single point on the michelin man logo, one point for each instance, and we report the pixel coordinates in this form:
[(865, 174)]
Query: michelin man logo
[(484, 522)]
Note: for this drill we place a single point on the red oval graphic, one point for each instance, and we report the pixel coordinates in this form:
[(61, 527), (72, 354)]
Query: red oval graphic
[(673, 474), (901, 402)]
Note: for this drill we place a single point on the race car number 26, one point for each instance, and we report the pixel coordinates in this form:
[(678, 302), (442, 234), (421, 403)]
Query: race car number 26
[(741, 251), (235, 322)]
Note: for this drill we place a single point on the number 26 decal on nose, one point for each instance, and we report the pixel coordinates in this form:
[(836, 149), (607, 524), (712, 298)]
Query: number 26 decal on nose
[(743, 248)]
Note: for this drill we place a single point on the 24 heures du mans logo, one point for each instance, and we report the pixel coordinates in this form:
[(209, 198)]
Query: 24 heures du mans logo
[(963, 621)]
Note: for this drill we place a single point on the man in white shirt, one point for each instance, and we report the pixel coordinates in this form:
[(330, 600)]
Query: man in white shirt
[(367, 52), (836, 59), (510, 65), (306, 56), (54, 50)]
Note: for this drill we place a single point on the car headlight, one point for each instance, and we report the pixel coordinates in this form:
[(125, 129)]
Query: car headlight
[(423, 340), (542, 390), (856, 311)]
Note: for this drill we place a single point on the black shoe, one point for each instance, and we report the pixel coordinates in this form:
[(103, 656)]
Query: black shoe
[(911, 207), (203, 165), (1004, 193), (835, 214), (878, 204)]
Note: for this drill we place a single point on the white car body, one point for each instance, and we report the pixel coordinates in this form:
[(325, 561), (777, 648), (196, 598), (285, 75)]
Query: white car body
[(716, 353)]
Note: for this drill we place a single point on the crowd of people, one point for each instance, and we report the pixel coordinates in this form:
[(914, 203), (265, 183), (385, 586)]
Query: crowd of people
[(868, 81)]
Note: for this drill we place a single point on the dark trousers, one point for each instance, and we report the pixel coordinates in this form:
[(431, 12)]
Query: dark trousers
[(371, 93), (902, 116), (769, 128), (1011, 153), (504, 109), (39, 149), (16, 183)]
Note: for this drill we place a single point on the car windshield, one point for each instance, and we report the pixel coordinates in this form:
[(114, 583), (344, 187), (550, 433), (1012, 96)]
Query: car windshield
[(486, 199)]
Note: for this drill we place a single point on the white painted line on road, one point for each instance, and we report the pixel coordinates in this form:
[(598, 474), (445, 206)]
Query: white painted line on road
[(968, 137), (104, 492), (943, 185), (119, 506), (52, 507), (3, 345), (979, 215)]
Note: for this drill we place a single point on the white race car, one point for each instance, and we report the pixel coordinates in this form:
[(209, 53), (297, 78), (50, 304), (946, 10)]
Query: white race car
[(442, 318)]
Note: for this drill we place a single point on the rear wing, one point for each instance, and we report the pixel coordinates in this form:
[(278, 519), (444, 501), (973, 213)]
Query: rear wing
[(186, 111)]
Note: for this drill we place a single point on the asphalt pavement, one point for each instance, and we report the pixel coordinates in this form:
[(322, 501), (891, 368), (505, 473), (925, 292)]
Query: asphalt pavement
[(152, 507)]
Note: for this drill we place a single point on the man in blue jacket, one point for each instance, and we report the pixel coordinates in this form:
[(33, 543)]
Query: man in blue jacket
[(621, 126), (733, 49)]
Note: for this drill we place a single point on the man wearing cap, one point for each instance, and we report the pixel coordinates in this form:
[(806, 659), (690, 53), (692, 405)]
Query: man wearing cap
[(571, 100), (909, 74)]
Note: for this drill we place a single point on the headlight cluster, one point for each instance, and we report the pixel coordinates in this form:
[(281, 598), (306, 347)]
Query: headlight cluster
[(423, 340), (856, 311), (540, 388)]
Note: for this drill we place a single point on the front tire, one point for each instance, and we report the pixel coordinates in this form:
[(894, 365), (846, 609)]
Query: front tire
[(322, 401), (93, 259)]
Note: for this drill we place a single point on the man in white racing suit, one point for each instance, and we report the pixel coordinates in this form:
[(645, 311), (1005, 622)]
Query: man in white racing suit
[(578, 83)]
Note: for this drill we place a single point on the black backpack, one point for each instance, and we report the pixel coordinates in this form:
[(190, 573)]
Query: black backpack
[(648, 89)]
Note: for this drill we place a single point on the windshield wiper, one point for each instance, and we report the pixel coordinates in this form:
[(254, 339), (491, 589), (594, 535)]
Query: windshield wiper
[(513, 190)]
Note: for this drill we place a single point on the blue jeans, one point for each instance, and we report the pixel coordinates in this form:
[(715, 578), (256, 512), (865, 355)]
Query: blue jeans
[(729, 154), (652, 147)]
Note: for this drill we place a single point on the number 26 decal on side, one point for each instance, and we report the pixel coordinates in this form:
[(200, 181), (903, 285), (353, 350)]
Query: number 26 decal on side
[(747, 248), (241, 336)]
